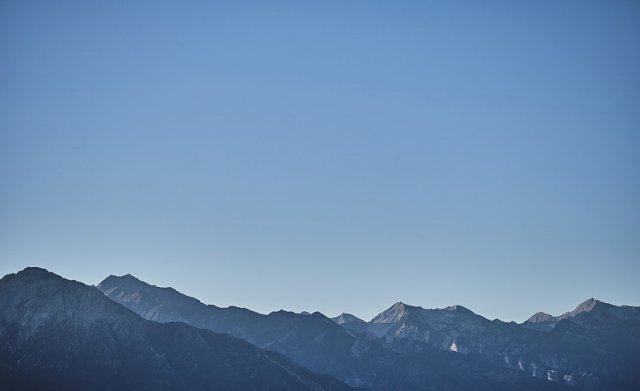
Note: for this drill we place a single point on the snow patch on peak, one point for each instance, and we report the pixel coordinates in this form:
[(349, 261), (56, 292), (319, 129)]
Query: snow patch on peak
[(458, 308), (347, 318)]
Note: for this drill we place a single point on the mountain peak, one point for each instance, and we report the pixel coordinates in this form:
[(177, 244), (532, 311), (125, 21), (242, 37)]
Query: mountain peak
[(130, 277), (458, 308), (589, 303), (347, 318), (44, 295), (540, 317), (588, 306), (34, 271), (400, 307), (127, 276), (544, 321), (114, 280), (395, 313)]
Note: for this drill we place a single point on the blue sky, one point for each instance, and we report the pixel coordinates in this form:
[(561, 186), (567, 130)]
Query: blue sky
[(332, 156)]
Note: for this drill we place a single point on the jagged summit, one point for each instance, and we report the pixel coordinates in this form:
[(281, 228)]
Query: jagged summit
[(146, 299), (113, 279), (396, 313), (588, 306), (132, 282), (540, 317), (400, 311), (545, 322), (33, 271), (399, 306)]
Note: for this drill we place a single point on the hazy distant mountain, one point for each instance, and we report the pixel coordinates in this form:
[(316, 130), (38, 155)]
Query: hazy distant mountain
[(589, 309), (57, 334), (350, 322), (324, 346), (595, 346), (312, 340)]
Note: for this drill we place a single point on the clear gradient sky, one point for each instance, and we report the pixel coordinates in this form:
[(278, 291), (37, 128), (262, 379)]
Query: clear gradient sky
[(333, 156)]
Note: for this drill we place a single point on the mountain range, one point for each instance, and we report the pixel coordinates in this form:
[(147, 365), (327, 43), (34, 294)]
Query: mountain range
[(128, 334), (57, 334), (591, 347)]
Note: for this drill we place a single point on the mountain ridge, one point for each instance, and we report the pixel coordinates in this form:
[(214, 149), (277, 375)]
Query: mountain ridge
[(582, 306), (319, 343), (61, 334), (421, 347)]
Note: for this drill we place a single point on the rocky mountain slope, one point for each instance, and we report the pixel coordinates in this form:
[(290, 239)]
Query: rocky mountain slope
[(315, 341), (350, 322), (592, 347), (57, 334)]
